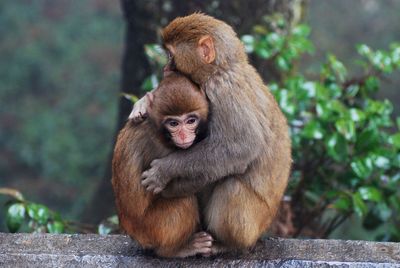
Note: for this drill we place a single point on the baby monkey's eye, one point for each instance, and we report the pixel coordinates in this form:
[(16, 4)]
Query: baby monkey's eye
[(191, 120), (173, 123)]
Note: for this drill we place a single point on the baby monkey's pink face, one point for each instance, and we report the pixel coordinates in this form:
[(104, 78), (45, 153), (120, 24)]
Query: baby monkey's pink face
[(182, 129)]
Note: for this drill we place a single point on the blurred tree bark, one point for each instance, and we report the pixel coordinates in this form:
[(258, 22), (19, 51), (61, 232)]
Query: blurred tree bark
[(143, 20)]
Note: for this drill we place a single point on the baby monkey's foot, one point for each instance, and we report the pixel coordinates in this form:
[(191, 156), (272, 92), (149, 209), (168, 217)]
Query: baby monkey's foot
[(200, 243)]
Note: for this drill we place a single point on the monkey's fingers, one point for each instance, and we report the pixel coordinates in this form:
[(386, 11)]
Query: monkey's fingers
[(145, 175), (148, 176), (202, 242), (198, 244), (204, 235), (154, 163), (139, 111), (157, 190), (152, 187), (134, 113), (147, 182), (137, 118), (206, 240), (143, 115)]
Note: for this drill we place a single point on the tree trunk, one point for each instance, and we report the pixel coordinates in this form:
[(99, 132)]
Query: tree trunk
[(143, 20), (135, 68)]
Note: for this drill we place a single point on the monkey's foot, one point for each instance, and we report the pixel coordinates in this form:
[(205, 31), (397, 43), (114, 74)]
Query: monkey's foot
[(200, 243), (217, 248)]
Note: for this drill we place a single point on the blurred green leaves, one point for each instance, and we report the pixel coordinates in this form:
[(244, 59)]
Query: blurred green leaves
[(15, 217), (29, 216), (132, 98), (313, 130), (280, 47), (156, 54), (109, 225)]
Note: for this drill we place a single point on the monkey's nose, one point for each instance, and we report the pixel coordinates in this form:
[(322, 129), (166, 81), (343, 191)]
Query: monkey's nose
[(182, 136)]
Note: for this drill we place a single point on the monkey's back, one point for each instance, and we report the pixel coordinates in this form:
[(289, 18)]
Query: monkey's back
[(136, 146), (155, 222)]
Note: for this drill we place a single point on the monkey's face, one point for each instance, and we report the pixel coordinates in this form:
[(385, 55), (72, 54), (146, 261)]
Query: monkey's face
[(182, 129)]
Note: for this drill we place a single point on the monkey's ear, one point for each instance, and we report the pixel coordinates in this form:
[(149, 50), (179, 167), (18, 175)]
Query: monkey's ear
[(206, 48)]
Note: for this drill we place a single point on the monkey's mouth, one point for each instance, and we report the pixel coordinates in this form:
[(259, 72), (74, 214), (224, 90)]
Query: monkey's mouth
[(184, 145)]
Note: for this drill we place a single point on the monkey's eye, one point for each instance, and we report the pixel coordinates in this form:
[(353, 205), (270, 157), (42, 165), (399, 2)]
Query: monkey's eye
[(173, 123), (191, 120)]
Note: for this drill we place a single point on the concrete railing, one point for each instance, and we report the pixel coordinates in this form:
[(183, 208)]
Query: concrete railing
[(46, 250)]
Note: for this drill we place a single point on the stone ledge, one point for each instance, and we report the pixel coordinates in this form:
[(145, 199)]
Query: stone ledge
[(47, 250)]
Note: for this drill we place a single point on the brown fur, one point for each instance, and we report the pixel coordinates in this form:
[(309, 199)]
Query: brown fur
[(177, 95), (241, 168), (165, 225)]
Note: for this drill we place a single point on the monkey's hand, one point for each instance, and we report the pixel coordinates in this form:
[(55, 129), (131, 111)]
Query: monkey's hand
[(152, 178), (139, 111)]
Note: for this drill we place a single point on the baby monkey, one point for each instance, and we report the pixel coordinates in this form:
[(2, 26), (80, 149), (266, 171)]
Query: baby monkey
[(177, 119)]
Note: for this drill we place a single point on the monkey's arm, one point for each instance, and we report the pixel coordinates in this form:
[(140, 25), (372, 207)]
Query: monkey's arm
[(235, 140), (182, 187)]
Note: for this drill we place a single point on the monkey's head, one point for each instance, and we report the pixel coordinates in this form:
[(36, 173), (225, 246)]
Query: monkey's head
[(198, 45), (179, 110)]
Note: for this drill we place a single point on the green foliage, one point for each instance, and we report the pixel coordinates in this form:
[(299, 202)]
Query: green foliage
[(108, 226), (132, 98), (282, 47), (29, 216), (157, 59), (346, 145), (22, 215)]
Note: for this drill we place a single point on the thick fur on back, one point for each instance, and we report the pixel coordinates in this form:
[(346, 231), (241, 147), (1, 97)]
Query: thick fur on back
[(161, 224)]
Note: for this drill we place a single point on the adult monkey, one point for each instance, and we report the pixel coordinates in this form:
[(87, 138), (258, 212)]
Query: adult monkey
[(242, 166)]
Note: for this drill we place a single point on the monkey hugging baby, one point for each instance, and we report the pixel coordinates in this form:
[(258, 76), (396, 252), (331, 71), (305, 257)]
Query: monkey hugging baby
[(204, 172)]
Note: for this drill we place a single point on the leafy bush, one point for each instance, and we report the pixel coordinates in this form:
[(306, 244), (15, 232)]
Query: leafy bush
[(24, 215), (29, 216)]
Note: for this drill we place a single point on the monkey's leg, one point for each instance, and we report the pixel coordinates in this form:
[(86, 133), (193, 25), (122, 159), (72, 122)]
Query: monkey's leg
[(171, 225), (236, 216)]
